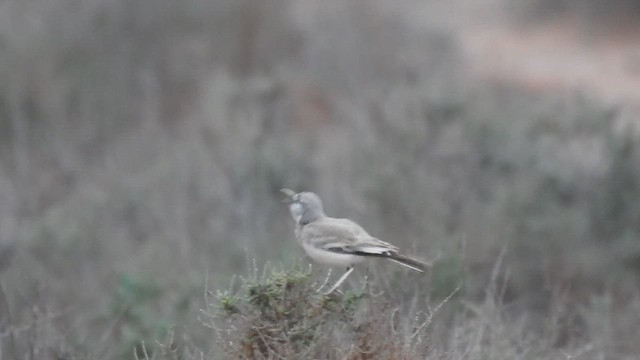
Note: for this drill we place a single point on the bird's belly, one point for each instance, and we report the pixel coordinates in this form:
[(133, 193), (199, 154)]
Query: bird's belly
[(330, 258)]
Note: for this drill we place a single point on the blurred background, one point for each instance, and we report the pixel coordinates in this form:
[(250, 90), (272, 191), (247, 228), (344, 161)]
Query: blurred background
[(143, 144)]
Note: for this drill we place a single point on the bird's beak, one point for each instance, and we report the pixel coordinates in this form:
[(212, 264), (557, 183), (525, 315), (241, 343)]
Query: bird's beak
[(289, 195)]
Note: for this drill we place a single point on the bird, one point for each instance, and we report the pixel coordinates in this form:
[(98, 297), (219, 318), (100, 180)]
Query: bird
[(338, 242)]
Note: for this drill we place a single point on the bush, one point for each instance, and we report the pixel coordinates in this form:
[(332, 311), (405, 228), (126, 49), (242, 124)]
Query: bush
[(282, 316)]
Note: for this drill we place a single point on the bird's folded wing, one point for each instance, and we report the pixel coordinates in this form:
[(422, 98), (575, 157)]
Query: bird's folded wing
[(345, 237), (354, 247), (331, 243), (324, 231), (377, 242)]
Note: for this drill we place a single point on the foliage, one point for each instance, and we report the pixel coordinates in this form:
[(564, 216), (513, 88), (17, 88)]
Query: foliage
[(283, 316)]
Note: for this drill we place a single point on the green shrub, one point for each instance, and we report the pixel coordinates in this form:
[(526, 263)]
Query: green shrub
[(282, 316)]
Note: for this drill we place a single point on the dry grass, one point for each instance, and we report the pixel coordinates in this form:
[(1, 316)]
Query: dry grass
[(142, 147)]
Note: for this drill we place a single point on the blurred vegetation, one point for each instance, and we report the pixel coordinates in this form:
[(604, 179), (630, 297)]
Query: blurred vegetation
[(142, 145), (595, 16)]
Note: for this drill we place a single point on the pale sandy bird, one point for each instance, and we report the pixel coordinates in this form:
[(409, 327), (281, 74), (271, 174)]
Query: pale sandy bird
[(338, 242)]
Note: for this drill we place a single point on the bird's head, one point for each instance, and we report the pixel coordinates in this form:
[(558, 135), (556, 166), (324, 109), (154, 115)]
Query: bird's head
[(305, 207)]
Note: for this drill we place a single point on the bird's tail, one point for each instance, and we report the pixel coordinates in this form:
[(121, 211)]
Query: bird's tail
[(411, 263)]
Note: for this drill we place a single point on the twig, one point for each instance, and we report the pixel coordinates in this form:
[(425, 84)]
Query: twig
[(432, 313)]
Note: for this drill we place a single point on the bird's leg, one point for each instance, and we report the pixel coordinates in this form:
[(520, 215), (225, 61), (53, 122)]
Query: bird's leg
[(326, 281), (340, 281)]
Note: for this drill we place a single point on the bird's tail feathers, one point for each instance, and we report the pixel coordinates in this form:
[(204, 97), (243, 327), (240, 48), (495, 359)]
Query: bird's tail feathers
[(383, 252), (411, 263)]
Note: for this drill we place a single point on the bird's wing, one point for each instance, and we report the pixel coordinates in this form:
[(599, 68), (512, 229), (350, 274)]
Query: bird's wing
[(327, 234), (354, 227), (363, 238), (346, 237)]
